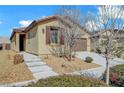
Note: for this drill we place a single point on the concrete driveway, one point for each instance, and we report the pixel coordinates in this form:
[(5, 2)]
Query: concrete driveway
[(98, 59)]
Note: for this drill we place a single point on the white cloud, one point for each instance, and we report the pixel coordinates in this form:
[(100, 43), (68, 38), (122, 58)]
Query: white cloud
[(25, 23), (43, 16), (11, 30)]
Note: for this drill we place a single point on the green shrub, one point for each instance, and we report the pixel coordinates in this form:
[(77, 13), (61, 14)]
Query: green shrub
[(68, 81), (98, 51), (117, 75), (88, 59)]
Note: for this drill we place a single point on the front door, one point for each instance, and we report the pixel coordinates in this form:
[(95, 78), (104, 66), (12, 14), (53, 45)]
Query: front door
[(22, 41)]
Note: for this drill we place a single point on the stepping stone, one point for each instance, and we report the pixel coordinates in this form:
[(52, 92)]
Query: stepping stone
[(32, 64), (32, 60), (37, 69)]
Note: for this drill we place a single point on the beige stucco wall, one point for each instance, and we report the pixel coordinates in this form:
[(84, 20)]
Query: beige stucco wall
[(32, 42), (88, 44), (45, 49), (15, 42)]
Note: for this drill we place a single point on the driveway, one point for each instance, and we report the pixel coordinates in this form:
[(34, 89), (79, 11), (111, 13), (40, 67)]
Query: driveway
[(98, 59)]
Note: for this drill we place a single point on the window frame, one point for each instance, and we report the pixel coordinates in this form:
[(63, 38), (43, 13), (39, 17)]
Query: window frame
[(53, 30)]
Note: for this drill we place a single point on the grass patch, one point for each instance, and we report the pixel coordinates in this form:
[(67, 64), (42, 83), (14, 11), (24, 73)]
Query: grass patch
[(118, 68), (69, 81)]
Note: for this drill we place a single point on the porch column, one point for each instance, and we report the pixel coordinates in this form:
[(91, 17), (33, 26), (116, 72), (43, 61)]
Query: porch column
[(17, 42)]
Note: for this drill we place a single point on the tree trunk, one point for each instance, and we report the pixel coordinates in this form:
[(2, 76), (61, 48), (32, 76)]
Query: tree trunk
[(70, 54), (107, 71)]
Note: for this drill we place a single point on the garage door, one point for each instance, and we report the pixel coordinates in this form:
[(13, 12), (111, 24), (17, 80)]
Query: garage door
[(81, 44)]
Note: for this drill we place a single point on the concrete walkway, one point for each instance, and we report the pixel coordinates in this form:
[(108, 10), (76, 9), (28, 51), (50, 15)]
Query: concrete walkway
[(98, 59), (39, 69)]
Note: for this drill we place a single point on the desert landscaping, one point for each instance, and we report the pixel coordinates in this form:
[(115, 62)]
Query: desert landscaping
[(62, 65), (10, 72)]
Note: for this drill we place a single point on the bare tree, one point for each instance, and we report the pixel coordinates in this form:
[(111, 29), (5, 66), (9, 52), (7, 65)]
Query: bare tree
[(109, 21), (70, 19)]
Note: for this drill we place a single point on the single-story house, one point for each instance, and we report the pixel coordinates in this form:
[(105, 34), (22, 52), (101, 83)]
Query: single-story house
[(41, 35), (102, 35), (4, 43)]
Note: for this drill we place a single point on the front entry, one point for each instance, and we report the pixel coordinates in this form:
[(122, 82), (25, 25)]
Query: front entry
[(22, 42)]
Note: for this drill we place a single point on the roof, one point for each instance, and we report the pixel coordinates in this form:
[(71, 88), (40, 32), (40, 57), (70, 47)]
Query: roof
[(40, 20), (99, 33), (4, 40), (103, 31), (35, 22), (53, 17), (17, 30)]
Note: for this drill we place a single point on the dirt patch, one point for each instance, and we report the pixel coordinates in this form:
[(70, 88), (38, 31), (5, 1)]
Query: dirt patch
[(10, 72), (63, 66)]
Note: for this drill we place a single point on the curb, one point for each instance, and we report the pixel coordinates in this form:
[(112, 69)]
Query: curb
[(19, 84)]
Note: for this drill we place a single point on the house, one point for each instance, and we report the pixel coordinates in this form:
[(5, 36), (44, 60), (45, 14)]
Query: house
[(4, 43), (41, 35), (118, 40)]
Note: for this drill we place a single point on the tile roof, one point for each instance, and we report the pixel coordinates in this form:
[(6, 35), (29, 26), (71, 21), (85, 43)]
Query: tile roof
[(41, 20), (19, 30)]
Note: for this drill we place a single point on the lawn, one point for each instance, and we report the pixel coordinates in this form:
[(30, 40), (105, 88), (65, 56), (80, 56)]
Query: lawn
[(10, 72), (63, 66), (69, 81)]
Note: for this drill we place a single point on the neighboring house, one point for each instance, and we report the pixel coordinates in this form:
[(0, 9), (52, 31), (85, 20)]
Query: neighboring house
[(101, 36), (118, 39), (4, 43), (41, 35)]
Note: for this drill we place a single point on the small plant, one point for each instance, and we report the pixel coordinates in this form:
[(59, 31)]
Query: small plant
[(98, 51), (117, 75), (18, 59), (88, 59)]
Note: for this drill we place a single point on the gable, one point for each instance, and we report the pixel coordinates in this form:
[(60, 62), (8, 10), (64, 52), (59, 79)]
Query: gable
[(53, 21)]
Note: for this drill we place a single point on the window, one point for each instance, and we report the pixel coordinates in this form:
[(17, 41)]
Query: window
[(54, 36)]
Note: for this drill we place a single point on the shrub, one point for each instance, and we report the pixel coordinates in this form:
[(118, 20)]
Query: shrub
[(18, 58), (68, 81), (98, 51), (117, 75), (88, 59)]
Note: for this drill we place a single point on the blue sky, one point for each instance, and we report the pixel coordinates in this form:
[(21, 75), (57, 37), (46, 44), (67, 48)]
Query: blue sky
[(16, 16)]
